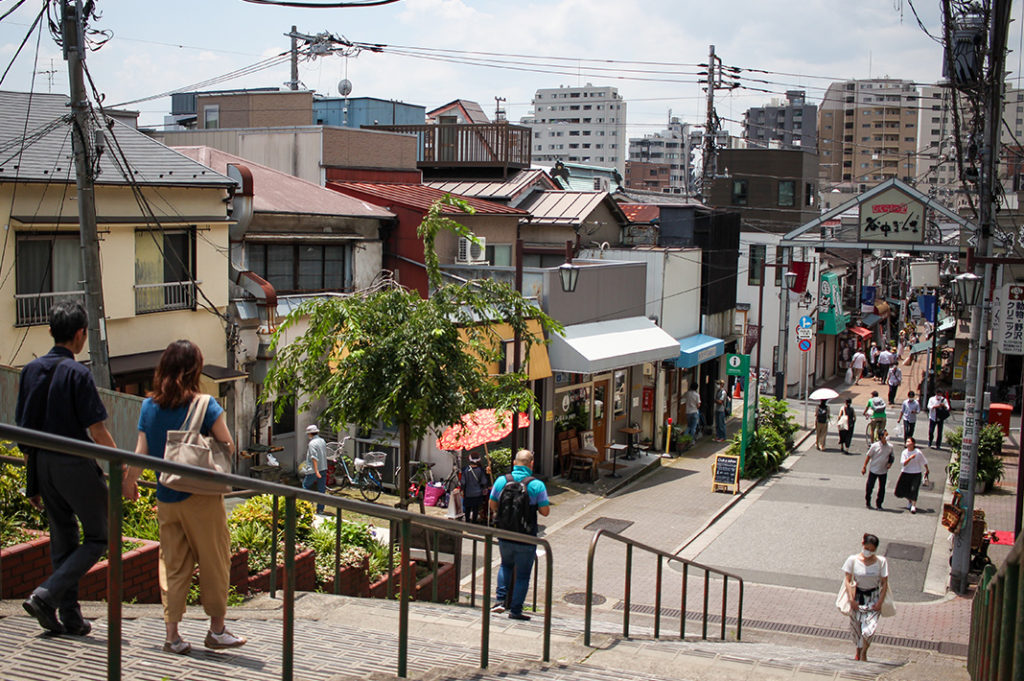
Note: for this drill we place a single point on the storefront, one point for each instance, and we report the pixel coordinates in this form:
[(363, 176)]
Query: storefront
[(699, 366)]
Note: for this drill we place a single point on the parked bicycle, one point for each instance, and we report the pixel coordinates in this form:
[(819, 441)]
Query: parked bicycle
[(361, 472)]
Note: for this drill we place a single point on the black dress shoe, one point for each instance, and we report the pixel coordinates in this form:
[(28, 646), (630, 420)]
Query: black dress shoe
[(79, 627), (44, 614), (518, 616)]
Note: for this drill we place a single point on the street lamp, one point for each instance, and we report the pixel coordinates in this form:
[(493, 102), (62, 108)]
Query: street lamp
[(966, 289), (568, 274)]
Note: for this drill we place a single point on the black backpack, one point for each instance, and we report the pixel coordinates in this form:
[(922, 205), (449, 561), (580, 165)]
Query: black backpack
[(515, 513)]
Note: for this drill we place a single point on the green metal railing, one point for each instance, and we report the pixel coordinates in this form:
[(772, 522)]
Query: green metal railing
[(662, 556), (996, 648), (403, 520)]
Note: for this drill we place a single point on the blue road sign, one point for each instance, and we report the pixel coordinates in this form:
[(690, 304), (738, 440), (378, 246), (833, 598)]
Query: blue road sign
[(806, 322)]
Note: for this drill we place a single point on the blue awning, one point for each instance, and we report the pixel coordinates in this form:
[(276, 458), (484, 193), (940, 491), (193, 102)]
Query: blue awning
[(697, 349), (870, 319)]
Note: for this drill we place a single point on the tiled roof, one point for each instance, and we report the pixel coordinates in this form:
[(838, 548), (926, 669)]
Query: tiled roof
[(640, 213), (418, 197), (496, 190), (277, 192), (567, 207), (47, 154)]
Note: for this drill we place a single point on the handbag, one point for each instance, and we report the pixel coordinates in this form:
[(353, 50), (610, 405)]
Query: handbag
[(942, 412), (305, 468), (189, 446)]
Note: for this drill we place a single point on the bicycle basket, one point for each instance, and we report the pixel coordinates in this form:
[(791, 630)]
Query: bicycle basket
[(375, 459)]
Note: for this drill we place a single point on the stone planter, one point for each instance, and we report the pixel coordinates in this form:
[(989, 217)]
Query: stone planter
[(447, 584), (305, 575), (352, 581)]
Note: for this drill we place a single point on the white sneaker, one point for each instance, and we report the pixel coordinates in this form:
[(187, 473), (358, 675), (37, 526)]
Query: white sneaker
[(498, 609), (224, 639), (179, 647)]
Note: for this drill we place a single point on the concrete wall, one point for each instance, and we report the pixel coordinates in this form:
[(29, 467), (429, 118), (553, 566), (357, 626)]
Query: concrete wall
[(605, 290), (257, 109)]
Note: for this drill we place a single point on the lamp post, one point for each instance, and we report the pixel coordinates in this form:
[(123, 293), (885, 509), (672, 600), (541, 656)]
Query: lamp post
[(788, 278)]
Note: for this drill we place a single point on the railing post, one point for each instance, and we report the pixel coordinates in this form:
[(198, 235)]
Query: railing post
[(405, 575), (273, 547), (589, 595), (682, 606), (548, 581), (725, 599), (288, 614), (1008, 633), (485, 628), (739, 615), (629, 579), (995, 591), (114, 572), (536, 571), (1018, 646), (337, 551), (657, 599), (472, 578), (704, 626)]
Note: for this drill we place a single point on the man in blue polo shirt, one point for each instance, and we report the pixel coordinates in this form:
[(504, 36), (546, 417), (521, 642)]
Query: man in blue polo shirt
[(57, 395), (517, 558)]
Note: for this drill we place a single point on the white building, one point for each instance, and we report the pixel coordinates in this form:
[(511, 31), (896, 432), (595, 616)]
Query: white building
[(579, 124), (674, 146)]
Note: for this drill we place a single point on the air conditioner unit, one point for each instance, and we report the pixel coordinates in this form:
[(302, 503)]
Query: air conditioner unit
[(471, 253)]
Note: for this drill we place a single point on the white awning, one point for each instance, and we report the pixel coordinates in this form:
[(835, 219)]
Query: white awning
[(614, 344)]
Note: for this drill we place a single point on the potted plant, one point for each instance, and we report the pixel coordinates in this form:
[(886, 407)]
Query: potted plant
[(990, 469), (683, 442)]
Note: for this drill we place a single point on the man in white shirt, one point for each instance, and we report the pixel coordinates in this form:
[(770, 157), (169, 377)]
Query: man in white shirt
[(692, 401), (876, 464), (893, 378), (886, 360), (908, 414), (857, 363)]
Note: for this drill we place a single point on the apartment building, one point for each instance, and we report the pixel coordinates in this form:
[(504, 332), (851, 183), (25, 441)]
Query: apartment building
[(785, 125), (579, 125), (674, 146), (868, 132)]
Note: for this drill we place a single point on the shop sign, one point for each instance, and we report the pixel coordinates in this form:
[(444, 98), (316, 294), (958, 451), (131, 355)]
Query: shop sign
[(737, 365), (830, 308), (1011, 313), (891, 217)]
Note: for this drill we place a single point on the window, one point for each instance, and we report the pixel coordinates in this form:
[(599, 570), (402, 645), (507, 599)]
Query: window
[(49, 269), (165, 270), (755, 261), (739, 192), (211, 116), (787, 192), (301, 267), (499, 255)]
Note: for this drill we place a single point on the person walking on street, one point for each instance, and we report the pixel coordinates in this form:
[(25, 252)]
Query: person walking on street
[(938, 412), (821, 421), (721, 410), (886, 360), (873, 360), (875, 410), (193, 527), (908, 414), (912, 465), (315, 464), (857, 364), (693, 405), (879, 459), (516, 500), (846, 420), (863, 594), (57, 395), (893, 377), (476, 484)]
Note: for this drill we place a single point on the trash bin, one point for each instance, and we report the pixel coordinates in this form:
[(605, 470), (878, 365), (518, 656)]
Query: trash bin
[(1000, 413)]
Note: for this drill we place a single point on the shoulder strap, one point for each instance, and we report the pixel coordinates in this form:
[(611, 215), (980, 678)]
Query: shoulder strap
[(196, 413)]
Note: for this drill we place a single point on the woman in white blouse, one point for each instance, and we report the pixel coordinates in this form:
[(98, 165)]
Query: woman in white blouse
[(864, 592), (912, 465)]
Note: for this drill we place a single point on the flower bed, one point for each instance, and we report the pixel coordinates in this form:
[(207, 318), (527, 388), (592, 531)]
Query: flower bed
[(447, 583), (305, 575), (353, 580)]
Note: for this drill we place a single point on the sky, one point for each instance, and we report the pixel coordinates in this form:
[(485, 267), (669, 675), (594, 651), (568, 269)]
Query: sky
[(157, 47)]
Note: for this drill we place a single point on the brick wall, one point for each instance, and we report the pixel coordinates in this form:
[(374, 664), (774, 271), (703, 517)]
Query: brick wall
[(353, 581), (305, 574)]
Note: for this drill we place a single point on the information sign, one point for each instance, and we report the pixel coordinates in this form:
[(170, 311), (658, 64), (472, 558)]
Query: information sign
[(804, 334), (1011, 319), (806, 322), (726, 474), (737, 365)]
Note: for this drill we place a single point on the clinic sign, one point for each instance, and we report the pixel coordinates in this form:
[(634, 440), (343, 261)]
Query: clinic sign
[(1011, 319), (891, 217)]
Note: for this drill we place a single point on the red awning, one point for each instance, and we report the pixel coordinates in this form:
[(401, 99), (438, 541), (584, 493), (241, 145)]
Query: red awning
[(860, 331)]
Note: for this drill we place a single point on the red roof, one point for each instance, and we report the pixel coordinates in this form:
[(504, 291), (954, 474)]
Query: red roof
[(418, 197), (861, 331), (640, 212)]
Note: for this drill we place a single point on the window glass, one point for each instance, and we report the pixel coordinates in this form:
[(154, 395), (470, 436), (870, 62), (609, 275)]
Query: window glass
[(33, 264), (787, 192), (739, 192), (281, 267), (754, 261), (311, 267)]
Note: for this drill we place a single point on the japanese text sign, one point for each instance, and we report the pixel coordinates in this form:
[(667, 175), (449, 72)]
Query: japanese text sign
[(1011, 316), (892, 217)]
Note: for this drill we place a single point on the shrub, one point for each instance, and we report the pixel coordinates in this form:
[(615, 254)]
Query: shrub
[(260, 510), (501, 461), (990, 469), (138, 518), (18, 514), (355, 541), (765, 452), (777, 415)]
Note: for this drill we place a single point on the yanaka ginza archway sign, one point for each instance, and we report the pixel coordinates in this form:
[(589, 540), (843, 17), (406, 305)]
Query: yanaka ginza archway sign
[(891, 217)]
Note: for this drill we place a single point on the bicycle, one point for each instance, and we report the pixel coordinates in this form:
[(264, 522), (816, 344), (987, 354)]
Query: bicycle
[(363, 473)]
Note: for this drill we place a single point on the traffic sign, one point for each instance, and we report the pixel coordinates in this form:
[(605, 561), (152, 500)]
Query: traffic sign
[(806, 322), (804, 334), (804, 345), (737, 365)]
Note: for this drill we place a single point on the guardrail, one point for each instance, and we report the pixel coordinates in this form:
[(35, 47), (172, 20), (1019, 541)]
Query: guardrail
[(32, 309), (662, 557), (171, 295), (405, 520), (996, 648)]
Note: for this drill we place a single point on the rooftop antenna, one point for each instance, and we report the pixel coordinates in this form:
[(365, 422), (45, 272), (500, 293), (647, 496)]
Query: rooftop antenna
[(49, 76)]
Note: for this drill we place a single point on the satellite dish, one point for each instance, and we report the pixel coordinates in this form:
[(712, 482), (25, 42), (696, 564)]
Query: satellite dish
[(345, 87)]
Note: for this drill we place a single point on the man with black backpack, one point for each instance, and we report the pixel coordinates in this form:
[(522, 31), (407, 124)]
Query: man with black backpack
[(515, 501)]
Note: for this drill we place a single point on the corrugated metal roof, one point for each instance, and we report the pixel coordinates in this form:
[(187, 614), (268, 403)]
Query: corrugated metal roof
[(418, 197), (47, 154), (640, 213), (567, 207), (277, 192), (497, 190)]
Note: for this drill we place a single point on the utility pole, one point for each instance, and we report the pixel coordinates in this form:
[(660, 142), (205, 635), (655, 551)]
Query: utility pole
[(293, 83), (73, 34), (992, 88), (710, 127)]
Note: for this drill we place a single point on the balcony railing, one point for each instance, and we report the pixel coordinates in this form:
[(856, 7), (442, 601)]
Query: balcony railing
[(171, 295), (468, 144), (34, 308)]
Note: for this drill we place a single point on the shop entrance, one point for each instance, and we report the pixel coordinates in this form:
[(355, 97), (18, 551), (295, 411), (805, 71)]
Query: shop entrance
[(601, 415)]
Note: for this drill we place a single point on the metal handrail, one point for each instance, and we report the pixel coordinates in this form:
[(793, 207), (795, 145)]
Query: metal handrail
[(117, 458), (662, 556), (996, 649)]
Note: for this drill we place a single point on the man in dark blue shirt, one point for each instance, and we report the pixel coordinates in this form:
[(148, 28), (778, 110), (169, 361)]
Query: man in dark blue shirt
[(57, 395)]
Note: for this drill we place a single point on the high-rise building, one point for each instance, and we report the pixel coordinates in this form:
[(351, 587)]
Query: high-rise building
[(674, 146), (867, 132), (786, 125), (579, 125)]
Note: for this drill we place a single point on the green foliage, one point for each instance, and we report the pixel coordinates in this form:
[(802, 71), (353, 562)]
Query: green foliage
[(356, 539), (18, 514), (990, 468), (260, 509), (194, 595), (766, 451), (777, 415), (138, 517), (501, 461)]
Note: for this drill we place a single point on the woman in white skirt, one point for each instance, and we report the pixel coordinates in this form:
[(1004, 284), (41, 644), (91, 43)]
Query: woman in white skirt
[(863, 593)]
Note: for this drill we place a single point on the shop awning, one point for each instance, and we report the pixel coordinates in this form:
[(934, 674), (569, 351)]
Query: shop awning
[(613, 344), (870, 320), (697, 349), (882, 308), (860, 331)]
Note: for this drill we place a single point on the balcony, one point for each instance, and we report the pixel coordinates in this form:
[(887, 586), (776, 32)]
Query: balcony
[(469, 145), (172, 295), (34, 308)]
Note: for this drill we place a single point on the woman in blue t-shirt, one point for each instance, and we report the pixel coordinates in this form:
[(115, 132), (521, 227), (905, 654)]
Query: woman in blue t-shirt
[(193, 527)]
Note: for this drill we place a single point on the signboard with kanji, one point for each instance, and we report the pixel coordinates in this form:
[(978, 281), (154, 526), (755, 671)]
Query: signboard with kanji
[(1011, 318), (892, 217)]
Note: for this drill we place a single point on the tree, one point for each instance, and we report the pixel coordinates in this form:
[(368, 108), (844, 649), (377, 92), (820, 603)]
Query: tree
[(390, 356)]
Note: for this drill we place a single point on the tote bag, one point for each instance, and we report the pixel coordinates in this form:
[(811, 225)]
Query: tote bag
[(191, 447)]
